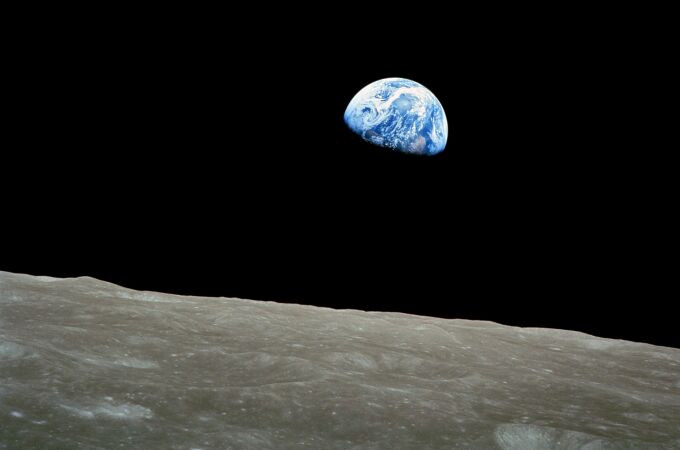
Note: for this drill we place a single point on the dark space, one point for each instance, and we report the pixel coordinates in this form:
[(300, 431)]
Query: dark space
[(196, 160)]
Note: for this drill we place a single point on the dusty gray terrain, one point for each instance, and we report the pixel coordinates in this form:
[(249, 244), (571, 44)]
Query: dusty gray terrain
[(88, 364)]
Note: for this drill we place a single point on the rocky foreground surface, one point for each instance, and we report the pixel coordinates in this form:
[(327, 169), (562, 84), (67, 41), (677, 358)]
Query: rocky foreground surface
[(85, 364)]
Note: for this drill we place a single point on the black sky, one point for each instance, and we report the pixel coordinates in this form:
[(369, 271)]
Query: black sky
[(188, 157)]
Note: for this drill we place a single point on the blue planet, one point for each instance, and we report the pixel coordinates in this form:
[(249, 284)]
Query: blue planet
[(399, 114)]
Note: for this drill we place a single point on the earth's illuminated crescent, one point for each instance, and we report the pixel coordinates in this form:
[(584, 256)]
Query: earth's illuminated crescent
[(399, 114)]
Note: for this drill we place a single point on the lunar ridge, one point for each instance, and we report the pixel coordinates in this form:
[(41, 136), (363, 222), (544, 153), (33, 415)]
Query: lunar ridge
[(86, 364)]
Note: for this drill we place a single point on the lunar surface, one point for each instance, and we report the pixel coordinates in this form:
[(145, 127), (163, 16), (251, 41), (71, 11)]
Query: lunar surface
[(86, 364)]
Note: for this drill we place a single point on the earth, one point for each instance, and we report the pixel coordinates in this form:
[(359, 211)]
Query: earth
[(399, 114)]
